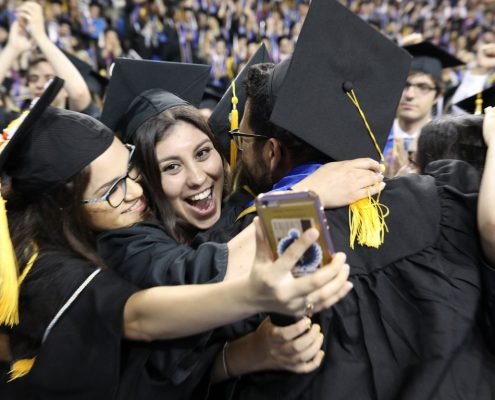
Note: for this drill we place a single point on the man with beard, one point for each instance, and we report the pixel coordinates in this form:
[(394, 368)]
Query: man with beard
[(414, 326)]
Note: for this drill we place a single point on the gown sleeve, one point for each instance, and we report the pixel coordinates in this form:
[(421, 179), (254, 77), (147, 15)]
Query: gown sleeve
[(146, 256)]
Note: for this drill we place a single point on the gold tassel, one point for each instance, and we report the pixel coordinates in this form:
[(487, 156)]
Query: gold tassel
[(9, 287), (21, 368), (367, 222), (367, 216), (478, 105), (234, 124)]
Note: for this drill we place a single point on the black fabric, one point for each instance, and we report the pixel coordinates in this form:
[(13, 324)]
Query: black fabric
[(130, 78), (61, 144), (147, 105), (146, 256), (431, 59), (412, 327), (487, 98), (337, 52), (80, 358)]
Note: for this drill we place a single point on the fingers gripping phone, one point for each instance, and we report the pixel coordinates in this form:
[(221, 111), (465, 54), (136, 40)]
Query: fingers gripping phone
[(285, 216)]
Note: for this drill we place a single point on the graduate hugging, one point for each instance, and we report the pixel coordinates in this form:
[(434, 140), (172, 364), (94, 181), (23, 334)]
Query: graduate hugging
[(132, 265)]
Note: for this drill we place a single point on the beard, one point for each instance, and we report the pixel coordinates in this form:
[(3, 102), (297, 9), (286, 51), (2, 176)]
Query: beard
[(257, 177)]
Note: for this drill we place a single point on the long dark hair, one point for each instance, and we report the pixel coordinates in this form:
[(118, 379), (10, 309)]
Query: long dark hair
[(54, 220), (452, 137), (145, 139)]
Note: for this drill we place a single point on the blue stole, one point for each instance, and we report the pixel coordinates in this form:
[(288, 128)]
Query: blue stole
[(294, 176)]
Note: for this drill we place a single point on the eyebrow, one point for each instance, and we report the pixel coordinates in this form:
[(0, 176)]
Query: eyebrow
[(195, 149)]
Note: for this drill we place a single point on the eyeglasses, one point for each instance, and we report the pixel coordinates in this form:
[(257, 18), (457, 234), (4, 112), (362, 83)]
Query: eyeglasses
[(422, 88), (237, 137), (116, 194)]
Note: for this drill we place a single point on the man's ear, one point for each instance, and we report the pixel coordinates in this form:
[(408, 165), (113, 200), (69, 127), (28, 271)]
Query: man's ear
[(272, 153)]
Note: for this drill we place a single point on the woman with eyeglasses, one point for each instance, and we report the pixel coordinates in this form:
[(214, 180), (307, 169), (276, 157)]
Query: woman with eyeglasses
[(64, 175)]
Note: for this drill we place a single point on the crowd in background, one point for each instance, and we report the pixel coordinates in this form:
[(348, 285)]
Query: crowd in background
[(224, 33)]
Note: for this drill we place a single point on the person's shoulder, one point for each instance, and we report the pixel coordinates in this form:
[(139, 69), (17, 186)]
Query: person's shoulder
[(457, 174)]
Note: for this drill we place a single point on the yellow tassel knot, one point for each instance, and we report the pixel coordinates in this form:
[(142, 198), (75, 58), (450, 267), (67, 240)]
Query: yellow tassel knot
[(367, 222)]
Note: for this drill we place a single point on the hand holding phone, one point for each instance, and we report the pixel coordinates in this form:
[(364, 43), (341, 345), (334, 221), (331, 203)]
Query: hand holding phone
[(285, 216)]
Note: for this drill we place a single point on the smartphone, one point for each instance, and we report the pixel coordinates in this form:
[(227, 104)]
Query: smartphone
[(285, 216)]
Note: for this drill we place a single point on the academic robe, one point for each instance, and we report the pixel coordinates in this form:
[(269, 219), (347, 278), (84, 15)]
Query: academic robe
[(80, 357), (419, 322), (173, 369)]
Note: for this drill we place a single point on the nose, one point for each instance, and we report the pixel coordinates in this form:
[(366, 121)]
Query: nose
[(196, 176), (408, 92), (134, 190)]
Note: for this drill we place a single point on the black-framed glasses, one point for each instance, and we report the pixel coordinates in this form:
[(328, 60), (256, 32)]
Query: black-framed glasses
[(238, 137), (422, 88), (116, 194)]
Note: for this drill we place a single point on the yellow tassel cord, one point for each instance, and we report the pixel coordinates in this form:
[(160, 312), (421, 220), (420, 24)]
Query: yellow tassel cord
[(10, 284), (478, 105), (234, 124), (9, 287), (21, 368), (367, 216)]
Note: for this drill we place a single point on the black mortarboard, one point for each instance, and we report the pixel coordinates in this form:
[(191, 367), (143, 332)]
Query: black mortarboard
[(431, 59), (131, 78), (336, 52), (96, 82), (476, 103), (52, 145), (219, 120)]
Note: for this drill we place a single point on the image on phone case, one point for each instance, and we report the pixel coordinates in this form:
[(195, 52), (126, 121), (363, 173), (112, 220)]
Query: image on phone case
[(288, 230)]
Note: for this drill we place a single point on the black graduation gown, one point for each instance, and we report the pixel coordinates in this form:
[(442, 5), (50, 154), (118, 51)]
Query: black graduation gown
[(146, 256), (412, 327), (80, 358)]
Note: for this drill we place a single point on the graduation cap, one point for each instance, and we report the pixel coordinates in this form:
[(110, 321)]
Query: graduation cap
[(49, 147), (219, 120), (431, 59), (339, 93), (166, 84), (476, 103), (96, 82), (333, 76)]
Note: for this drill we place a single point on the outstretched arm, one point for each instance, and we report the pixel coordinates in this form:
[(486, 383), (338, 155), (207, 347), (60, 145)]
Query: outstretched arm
[(30, 15), (171, 312), (486, 210)]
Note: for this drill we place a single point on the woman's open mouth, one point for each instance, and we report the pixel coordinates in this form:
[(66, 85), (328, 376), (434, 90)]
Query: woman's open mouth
[(202, 204)]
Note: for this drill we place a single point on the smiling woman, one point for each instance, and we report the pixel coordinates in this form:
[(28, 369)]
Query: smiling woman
[(177, 153)]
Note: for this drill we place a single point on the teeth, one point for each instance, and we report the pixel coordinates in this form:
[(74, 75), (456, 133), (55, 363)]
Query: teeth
[(202, 195)]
